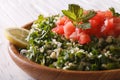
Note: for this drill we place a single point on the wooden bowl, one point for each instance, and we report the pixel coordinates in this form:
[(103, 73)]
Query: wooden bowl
[(40, 72)]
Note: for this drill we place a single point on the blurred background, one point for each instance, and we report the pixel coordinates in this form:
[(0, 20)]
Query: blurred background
[(15, 13)]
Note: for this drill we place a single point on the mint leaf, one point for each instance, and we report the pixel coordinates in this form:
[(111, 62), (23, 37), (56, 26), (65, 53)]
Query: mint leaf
[(114, 12), (89, 15), (84, 25), (76, 14), (80, 13), (69, 14), (74, 8)]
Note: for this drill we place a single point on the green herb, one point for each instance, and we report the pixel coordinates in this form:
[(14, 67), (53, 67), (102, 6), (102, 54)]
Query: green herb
[(76, 14), (40, 18), (89, 15), (114, 12), (84, 25), (69, 14), (44, 26)]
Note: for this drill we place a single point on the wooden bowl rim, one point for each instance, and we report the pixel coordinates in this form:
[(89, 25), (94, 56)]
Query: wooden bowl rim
[(15, 53)]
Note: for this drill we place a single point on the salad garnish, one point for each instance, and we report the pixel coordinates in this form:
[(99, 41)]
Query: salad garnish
[(76, 14)]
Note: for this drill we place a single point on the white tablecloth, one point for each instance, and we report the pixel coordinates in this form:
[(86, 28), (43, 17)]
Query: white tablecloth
[(19, 12)]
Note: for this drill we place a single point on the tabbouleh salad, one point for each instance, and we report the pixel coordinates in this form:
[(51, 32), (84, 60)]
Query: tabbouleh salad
[(82, 40)]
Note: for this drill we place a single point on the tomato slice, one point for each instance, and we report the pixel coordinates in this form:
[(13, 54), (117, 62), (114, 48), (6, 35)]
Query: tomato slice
[(84, 38)]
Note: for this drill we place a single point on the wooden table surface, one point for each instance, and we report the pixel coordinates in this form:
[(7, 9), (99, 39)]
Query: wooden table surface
[(19, 12)]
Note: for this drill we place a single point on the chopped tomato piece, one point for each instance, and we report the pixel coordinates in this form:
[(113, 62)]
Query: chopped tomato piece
[(116, 19), (97, 20), (58, 29), (116, 26), (96, 23), (62, 20), (74, 36), (108, 14), (84, 38), (78, 30), (107, 27), (69, 28), (117, 30)]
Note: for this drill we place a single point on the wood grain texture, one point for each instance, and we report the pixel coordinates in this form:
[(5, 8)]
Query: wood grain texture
[(19, 12)]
